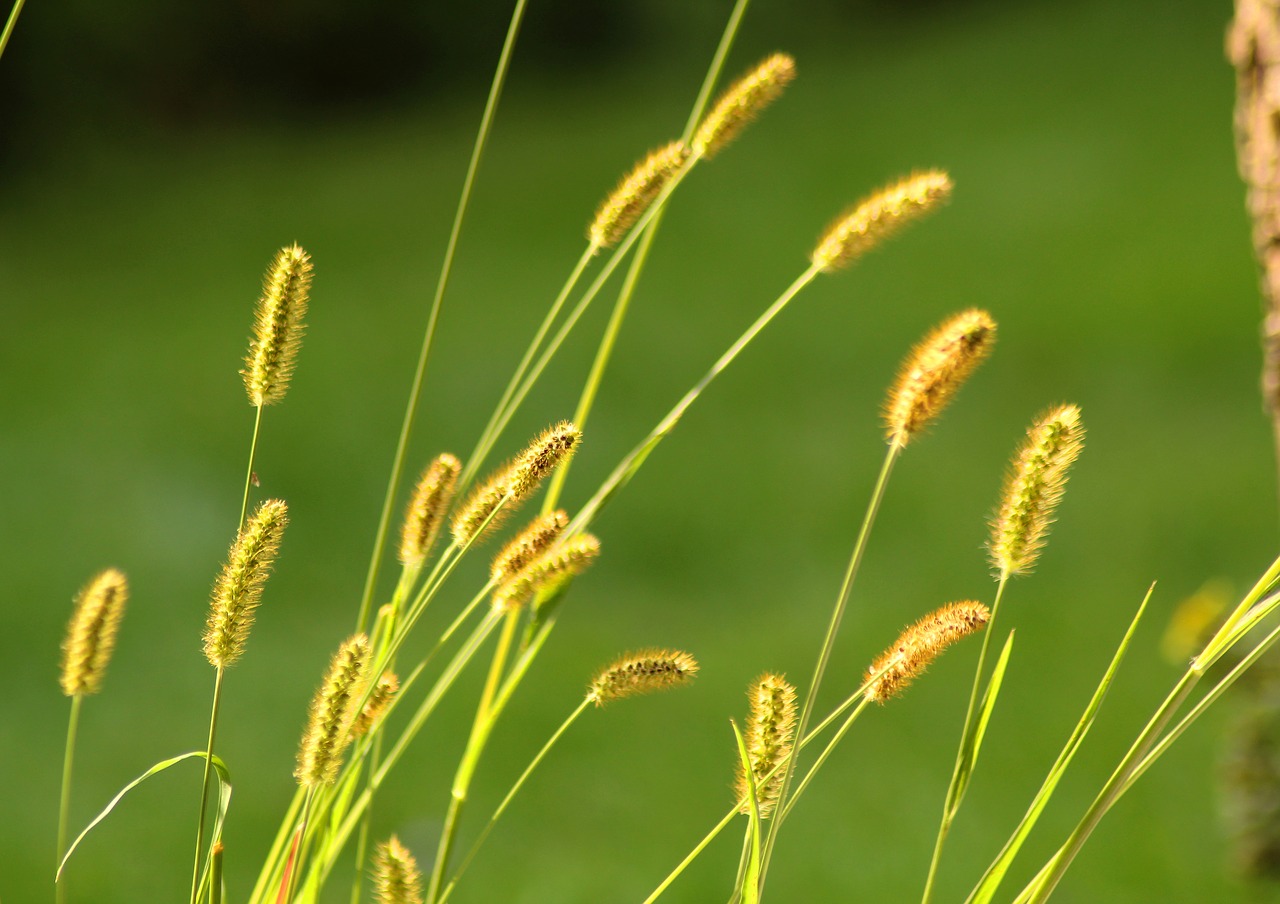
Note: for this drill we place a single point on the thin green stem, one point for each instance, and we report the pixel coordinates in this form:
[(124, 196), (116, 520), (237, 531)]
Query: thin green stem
[(248, 476), (204, 784), (419, 377), (693, 854), (64, 806), (294, 867), (822, 757), (271, 865), (9, 25)]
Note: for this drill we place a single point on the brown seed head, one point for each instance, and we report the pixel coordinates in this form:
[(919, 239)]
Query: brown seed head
[(1033, 489), (91, 633), (642, 673), (530, 543), (742, 103), (238, 590), (880, 216), (936, 368), (396, 877), (771, 725), (277, 333), (638, 189), (332, 712), (426, 512), (920, 645), (548, 571), (379, 699)]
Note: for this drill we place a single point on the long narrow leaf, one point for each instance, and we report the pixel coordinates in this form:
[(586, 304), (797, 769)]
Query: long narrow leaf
[(969, 758), (751, 879)]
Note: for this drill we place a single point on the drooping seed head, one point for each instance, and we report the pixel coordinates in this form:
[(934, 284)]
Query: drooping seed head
[(935, 369), (333, 710), (1033, 489), (396, 877), (742, 102), (238, 590), (642, 673), (881, 215), (548, 571), (91, 633), (431, 499), (380, 698), (278, 327), (920, 645), (638, 189), (530, 543), (771, 726)]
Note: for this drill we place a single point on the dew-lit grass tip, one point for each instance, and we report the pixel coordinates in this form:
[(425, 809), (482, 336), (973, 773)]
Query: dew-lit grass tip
[(238, 590), (1033, 489), (396, 877), (642, 673), (536, 538), (427, 509), (548, 571), (380, 697), (333, 710), (91, 633), (278, 327), (921, 644), (879, 216), (934, 371), (742, 102), (637, 190), (770, 737)]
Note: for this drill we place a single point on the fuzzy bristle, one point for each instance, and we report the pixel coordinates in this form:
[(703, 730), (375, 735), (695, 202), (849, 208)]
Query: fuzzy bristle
[(526, 546), (771, 725), (920, 645), (91, 633), (431, 499), (278, 327), (547, 572), (396, 877), (935, 370), (637, 190), (333, 710), (879, 216), (642, 673), (742, 102), (238, 590)]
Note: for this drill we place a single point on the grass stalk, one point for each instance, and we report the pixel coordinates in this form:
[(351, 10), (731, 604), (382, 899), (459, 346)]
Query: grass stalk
[(9, 24), (204, 784), (64, 803)]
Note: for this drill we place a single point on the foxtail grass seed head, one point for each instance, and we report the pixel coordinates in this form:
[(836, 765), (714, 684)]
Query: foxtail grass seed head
[(396, 877), (333, 710), (238, 590), (278, 327), (1033, 489), (771, 726), (379, 699), (642, 673), (936, 368), (876, 218), (638, 189), (548, 571), (553, 446), (921, 644), (530, 543), (742, 102), (431, 500), (91, 633)]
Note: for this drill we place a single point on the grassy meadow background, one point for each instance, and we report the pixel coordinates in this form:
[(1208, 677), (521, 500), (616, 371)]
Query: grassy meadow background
[(1097, 214)]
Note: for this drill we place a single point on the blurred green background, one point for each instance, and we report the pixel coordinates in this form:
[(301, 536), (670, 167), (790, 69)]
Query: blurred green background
[(155, 156)]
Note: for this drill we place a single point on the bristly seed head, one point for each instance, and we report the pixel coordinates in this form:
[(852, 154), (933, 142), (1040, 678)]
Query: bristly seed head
[(638, 189), (879, 216), (935, 369), (431, 500), (396, 877), (642, 673), (548, 571), (920, 645), (333, 710), (530, 543), (91, 633), (1033, 489), (278, 327), (770, 738), (742, 102), (379, 699), (238, 590)]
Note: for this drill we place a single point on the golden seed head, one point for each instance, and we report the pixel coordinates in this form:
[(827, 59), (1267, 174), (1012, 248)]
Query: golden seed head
[(379, 699), (920, 645), (638, 189), (396, 877), (530, 543), (1033, 489), (333, 710), (238, 590), (91, 633), (278, 327), (553, 446), (879, 216), (548, 571), (935, 369), (770, 737), (426, 512), (742, 103), (642, 673)]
